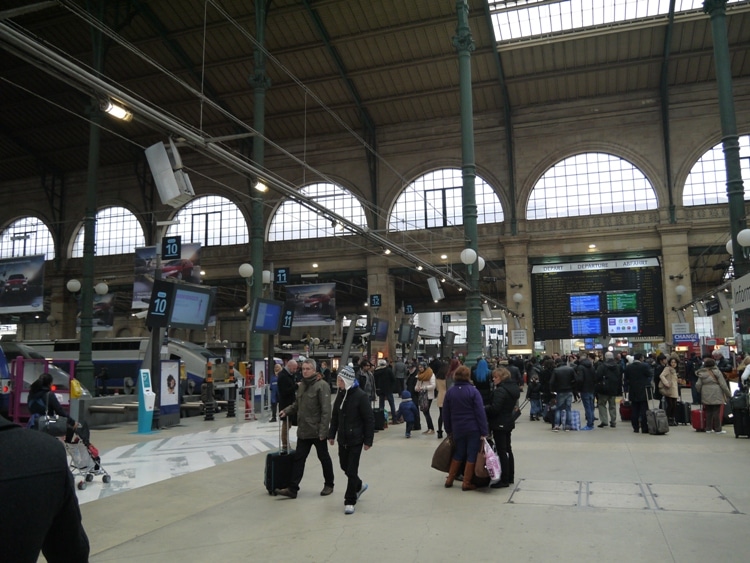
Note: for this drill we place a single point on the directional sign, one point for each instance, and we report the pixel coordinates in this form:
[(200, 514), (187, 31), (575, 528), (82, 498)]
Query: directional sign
[(171, 248), (686, 337), (446, 318), (376, 300), (281, 276), (287, 319)]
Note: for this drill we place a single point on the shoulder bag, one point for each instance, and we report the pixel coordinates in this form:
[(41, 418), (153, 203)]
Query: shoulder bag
[(52, 425)]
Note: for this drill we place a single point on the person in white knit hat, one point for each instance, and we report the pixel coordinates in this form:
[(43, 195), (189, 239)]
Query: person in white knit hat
[(352, 420)]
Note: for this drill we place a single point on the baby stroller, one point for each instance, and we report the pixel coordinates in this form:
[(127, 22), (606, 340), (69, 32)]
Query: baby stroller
[(84, 457)]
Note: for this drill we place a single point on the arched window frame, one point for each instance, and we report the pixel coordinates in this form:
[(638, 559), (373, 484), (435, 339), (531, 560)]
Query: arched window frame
[(435, 200), (27, 236), (211, 220), (591, 183), (293, 221), (118, 231), (706, 183)]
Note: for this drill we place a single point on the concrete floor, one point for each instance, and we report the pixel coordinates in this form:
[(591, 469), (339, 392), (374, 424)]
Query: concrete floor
[(195, 493)]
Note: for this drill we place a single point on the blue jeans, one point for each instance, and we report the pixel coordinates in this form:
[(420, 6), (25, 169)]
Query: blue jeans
[(564, 401), (536, 407), (588, 408), (467, 447)]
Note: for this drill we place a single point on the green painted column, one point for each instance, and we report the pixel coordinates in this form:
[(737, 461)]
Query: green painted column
[(260, 83), (730, 140), (464, 44)]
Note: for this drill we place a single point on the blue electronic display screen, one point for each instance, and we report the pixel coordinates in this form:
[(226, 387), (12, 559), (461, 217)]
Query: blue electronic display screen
[(584, 303), (586, 326)]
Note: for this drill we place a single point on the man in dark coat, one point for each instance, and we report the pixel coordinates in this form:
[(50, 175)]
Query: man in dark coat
[(352, 420), (588, 375), (287, 393), (561, 383), (39, 504), (637, 377), (608, 387), (385, 381)]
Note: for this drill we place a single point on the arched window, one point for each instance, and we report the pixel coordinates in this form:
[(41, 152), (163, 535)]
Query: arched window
[(707, 181), (117, 232), (294, 221), (590, 184), (435, 200), (27, 236), (211, 220)]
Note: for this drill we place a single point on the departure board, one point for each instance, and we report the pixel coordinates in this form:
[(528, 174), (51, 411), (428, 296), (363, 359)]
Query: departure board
[(632, 287)]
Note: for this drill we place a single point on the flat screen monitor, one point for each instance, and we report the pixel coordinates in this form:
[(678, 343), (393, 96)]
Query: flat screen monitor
[(585, 326), (623, 325), (405, 333), (379, 330), (191, 306), (266, 316), (622, 302), (584, 303)]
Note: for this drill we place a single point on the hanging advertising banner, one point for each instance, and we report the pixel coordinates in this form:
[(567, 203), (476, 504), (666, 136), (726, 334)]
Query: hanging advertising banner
[(186, 268), (22, 284), (314, 304), (103, 317)]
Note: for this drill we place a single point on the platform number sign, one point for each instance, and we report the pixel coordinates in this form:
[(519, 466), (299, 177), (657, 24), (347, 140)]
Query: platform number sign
[(171, 248), (408, 309), (375, 300), (446, 319), (160, 304), (281, 276), (287, 318)]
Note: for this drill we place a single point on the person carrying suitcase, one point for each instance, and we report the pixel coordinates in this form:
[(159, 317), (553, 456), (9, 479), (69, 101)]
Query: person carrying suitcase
[(313, 409)]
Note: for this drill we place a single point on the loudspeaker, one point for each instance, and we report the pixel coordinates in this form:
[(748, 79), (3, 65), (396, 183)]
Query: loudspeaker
[(172, 183), (435, 290)]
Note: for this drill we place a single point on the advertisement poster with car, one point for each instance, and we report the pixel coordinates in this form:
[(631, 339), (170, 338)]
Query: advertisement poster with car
[(103, 317), (314, 304), (22, 284), (186, 268)]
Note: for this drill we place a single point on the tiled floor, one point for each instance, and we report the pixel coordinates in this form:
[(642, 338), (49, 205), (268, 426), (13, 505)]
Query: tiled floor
[(195, 493)]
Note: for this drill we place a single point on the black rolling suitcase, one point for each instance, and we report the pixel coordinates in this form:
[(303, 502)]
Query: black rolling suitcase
[(278, 474), (741, 423), (682, 413), (656, 419)]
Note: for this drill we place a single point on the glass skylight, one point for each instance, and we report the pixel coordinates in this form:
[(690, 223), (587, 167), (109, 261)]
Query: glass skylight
[(516, 20)]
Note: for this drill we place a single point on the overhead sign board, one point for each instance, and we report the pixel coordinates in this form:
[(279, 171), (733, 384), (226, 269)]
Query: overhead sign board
[(685, 337)]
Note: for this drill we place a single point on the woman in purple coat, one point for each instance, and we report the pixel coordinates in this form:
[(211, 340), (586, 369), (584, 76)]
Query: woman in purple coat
[(466, 422)]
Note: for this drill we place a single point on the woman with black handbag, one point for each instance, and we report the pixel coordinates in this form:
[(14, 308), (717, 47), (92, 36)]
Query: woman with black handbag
[(501, 422), (43, 402)]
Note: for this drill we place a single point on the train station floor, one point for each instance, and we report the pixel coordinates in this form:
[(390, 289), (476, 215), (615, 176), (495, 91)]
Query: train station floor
[(195, 492)]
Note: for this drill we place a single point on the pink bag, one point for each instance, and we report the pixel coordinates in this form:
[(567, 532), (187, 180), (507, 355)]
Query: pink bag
[(492, 463)]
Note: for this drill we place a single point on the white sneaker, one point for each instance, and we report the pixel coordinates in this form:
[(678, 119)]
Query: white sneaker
[(722, 432), (362, 490), (709, 431), (349, 509)]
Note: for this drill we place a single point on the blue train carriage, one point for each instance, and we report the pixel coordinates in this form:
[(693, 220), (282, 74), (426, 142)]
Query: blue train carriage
[(117, 361)]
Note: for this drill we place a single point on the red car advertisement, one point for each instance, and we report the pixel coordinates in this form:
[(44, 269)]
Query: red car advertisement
[(22, 284), (314, 304)]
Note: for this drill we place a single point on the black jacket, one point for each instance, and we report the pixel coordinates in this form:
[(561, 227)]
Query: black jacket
[(637, 377), (609, 378), (40, 508), (287, 389), (562, 379), (384, 380), (500, 410), (586, 369), (352, 418)]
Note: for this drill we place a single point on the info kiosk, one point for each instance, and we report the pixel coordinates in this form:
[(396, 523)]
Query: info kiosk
[(146, 401)]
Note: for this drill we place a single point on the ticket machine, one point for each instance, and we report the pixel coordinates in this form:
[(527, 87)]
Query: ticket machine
[(146, 401)]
